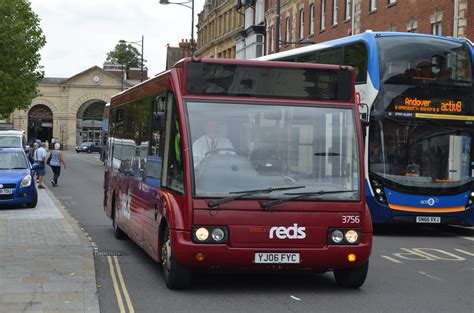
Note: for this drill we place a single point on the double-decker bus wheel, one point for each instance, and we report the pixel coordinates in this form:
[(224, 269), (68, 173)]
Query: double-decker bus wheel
[(352, 277), (177, 276)]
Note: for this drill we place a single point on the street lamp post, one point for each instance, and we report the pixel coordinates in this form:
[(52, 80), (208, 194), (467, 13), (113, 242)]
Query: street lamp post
[(141, 44), (184, 4)]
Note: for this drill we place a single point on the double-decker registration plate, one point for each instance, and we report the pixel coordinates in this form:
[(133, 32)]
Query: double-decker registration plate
[(428, 219), (6, 191), (277, 258)]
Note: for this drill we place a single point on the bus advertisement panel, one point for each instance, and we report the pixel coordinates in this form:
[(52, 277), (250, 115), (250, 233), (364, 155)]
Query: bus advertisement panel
[(419, 148), (241, 164)]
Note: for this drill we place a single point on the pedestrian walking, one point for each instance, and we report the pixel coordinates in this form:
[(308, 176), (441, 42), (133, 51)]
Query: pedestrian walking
[(40, 159), (56, 158)]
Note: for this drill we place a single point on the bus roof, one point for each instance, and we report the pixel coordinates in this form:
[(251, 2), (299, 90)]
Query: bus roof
[(368, 37), (244, 75)]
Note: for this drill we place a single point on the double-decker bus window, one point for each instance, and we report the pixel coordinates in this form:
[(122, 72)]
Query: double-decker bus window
[(331, 56), (410, 61), (356, 56)]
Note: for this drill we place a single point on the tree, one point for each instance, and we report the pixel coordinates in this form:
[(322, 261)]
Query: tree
[(126, 55), (21, 39)]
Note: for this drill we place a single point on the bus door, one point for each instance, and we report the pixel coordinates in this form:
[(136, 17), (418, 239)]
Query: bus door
[(150, 187)]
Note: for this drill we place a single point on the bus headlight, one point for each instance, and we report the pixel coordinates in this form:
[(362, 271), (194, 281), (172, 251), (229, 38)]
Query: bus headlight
[(218, 234), (26, 182), (210, 234), (470, 201), (343, 236), (202, 234), (351, 236), (379, 193), (337, 236)]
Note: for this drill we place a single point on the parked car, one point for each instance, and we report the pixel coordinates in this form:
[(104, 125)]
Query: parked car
[(13, 139), (89, 147), (17, 184)]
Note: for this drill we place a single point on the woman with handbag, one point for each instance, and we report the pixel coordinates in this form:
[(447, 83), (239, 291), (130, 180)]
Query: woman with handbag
[(55, 159)]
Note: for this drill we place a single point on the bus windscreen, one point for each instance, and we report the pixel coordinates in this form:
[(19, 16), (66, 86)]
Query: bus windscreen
[(268, 82)]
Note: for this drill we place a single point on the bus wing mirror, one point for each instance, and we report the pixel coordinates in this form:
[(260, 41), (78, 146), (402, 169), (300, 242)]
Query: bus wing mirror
[(158, 121), (364, 114)]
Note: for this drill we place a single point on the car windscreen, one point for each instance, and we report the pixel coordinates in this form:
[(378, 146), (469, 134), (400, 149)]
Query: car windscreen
[(12, 160), (10, 141)]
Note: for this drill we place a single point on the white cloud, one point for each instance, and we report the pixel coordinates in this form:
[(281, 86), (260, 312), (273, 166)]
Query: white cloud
[(80, 33)]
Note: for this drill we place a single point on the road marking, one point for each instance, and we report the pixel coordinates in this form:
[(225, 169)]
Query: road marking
[(124, 289), (468, 238), (465, 252), (430, 276), (295, 298), (451, 257), (391, 259), (116, 287)]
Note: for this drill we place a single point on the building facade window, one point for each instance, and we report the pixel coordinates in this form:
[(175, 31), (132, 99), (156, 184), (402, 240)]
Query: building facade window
[(302, 23), (279, 34), (311, 19), (335, 9), (348, 12), (436, 28), (412, 25), (288, 30), (373, 5), (392, 1), (323, 15)]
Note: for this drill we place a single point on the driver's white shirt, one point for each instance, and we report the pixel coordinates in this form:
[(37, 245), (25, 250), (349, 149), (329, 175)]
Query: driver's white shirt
[(203, 145)]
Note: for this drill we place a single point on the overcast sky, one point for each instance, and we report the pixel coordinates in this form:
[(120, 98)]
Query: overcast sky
[(80, 33)]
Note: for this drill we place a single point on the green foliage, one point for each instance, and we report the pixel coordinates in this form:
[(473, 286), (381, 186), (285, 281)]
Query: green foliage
[(21, 39), (125, 54)]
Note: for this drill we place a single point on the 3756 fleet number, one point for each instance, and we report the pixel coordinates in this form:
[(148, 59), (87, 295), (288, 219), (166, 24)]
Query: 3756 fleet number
[(350, 219)]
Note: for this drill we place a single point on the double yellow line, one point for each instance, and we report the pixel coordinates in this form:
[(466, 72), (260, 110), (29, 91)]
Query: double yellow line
[(116, 274)]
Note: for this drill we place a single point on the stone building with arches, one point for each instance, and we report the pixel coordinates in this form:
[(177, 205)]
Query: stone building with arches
[(70, 109)]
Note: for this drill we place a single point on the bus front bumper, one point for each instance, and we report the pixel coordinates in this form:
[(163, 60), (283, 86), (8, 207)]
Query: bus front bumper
[(326, 257)]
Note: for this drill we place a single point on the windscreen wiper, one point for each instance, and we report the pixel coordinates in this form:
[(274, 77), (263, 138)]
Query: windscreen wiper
[(245, 193), (300, 195)]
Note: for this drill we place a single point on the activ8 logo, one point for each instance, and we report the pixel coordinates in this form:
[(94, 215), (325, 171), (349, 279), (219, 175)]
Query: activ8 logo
[(430, 201), (290, 232)]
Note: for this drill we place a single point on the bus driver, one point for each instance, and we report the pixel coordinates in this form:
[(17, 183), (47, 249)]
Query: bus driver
[(212, 140)]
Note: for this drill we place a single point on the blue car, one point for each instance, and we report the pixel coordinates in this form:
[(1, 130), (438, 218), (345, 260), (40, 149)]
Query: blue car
[(17, 185)]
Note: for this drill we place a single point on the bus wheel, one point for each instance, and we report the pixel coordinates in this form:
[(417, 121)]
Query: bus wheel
[(352, 277), (118, 233), (176, 276)]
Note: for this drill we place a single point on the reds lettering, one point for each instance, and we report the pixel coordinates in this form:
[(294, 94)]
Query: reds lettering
[(291, 232)]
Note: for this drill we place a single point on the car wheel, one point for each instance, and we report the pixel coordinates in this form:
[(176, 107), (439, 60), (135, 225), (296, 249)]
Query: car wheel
[(177, 276), (77, 151), (118, 233), (352, 277), (34, 201), (89, 151)]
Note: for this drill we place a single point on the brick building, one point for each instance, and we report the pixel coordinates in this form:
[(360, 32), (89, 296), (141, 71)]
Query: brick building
[(217, 29), (322, 20)]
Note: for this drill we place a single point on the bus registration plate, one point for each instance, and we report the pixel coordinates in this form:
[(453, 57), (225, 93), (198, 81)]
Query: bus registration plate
[(277, 258), (6, 191), (428, 219)]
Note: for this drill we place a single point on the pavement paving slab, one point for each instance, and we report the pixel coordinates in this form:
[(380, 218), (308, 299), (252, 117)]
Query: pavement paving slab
[(46, 261)]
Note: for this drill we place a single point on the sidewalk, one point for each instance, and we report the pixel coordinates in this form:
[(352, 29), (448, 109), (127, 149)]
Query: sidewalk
[(46, 261)]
